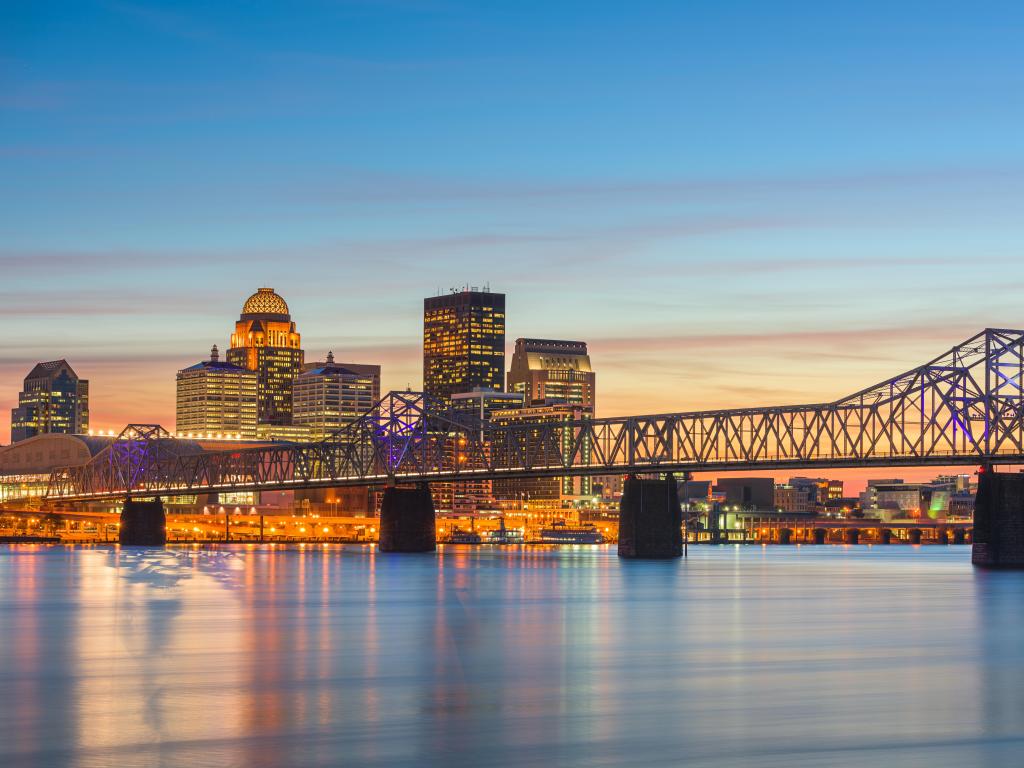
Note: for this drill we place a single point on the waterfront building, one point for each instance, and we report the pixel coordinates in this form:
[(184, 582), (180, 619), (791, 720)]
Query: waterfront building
[(895, 499), (25, 466), (819, 489), (552, 371), (266, 341), (53, 400), (747, 492), (328, 395), (216, 397), (807, 494), (463, 342), (545, 492), (795, 498)]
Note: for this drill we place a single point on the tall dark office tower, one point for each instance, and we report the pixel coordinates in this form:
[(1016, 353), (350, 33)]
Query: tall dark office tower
[(265, 341), (463, 342), (54, 399)]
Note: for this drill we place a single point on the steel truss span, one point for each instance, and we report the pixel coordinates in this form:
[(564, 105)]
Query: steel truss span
[(963, 407)]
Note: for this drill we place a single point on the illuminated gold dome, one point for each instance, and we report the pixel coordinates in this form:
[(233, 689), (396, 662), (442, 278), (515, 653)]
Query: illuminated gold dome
[(265, 302)]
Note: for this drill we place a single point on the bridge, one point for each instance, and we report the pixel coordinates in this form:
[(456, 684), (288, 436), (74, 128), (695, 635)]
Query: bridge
[(966, 406)]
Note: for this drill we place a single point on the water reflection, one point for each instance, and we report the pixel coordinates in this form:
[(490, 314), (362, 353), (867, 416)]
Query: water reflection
[(270, 656)]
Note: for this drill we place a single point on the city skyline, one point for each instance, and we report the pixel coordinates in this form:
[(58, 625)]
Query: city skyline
[(729, 214), (857, 478), (453, 383)]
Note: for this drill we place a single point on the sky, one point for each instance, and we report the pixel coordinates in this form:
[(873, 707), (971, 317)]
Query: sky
[(733, 203)]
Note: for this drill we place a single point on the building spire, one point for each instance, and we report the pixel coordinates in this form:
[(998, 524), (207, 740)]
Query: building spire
[(214, 354), (330, 358)]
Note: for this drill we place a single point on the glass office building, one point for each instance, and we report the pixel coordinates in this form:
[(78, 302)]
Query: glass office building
[(463, 342), (53, 400)]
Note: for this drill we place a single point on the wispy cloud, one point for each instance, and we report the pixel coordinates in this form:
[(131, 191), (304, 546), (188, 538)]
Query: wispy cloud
[(354, 185)]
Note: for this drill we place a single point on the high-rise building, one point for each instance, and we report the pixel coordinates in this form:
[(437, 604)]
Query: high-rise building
[(265, 341), (463, 342), (548, 492), (53, 399), (217, 397), (329, 395), (552, 371)]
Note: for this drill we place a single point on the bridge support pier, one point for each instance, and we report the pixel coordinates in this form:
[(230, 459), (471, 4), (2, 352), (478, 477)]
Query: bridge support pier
[(820, 534), (650, 519), (999, 521), (407, 522), (884, 536), (851, 536), (915, 535), (143, 524)]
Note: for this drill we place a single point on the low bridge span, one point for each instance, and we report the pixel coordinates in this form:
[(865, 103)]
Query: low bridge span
[(964, 407)]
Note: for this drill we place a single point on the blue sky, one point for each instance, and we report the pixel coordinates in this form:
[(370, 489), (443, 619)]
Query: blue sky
[(734, 202)]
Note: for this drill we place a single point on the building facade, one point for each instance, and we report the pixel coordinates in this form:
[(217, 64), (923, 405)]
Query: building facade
[(552, 371), (482, 403), (330, 395), (215, 397), (463, 342), (747, 492), (892, 499), (544, 492), (53, 400), (266, 341)]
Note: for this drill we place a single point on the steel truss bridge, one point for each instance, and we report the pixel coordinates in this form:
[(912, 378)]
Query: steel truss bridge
[(964, 407)]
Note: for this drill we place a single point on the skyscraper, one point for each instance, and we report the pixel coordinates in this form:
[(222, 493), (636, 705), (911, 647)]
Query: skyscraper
[(265, 341), (463, 342), (217, 397), (329, 395), (551, 371), (53, 399)]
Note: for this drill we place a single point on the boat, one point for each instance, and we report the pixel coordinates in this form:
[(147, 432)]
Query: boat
[(459, 536), (505, 535), (560, 533)]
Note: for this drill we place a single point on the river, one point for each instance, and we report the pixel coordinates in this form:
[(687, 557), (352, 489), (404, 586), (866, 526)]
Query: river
[(334, 655)]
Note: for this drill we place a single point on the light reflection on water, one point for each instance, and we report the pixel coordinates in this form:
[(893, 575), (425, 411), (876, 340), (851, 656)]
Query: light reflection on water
[(782, 656)]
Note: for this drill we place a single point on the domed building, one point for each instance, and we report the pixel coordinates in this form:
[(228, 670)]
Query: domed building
[(265, 341)]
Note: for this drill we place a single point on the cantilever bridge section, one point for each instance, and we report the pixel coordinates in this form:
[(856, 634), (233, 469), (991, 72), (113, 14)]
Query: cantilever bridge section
[(964, 407)]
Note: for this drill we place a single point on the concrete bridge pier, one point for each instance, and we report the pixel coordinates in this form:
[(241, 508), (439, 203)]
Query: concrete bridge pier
[(851, 536), (998, 540), (143, 524), (915, 535), (820, 535), (407, 522), (884, 536), (650, 519)]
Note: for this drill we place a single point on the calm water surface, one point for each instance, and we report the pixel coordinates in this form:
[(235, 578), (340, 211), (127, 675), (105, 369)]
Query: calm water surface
[(782, 656)]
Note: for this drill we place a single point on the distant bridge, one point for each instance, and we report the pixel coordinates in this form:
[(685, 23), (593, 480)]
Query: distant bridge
[(964, 407)]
